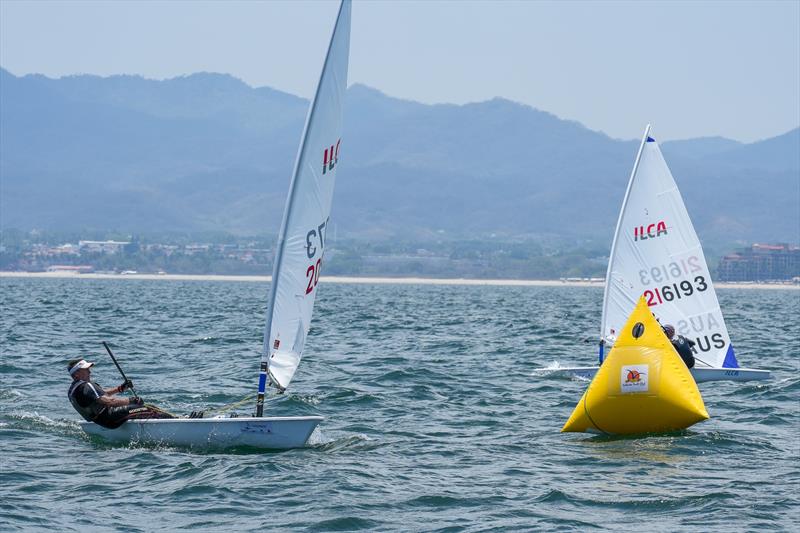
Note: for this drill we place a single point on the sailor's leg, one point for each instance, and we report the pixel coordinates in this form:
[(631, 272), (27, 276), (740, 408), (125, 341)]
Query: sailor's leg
[(148, 412)]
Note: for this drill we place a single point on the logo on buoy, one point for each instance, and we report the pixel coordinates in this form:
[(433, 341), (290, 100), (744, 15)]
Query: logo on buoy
[(633, 378)]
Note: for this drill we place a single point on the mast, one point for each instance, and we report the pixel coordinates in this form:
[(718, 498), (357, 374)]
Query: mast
[(264, 373), (616, 236)]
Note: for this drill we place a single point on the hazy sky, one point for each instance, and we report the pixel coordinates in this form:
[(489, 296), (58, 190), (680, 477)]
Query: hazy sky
[(690, 68)]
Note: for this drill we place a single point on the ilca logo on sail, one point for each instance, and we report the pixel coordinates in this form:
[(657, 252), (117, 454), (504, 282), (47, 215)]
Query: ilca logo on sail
[(653, 231), (331, 157)]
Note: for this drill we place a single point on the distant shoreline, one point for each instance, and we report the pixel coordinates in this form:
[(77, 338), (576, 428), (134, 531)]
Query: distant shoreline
[(369, 280)]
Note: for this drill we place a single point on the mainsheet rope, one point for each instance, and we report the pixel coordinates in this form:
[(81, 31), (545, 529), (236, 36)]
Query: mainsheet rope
[(220, 410)]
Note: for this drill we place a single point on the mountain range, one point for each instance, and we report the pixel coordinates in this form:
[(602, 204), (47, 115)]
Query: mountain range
[(206, 152)]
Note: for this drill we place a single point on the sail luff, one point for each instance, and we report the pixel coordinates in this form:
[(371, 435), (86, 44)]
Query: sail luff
[(616, 236), (291, 201)]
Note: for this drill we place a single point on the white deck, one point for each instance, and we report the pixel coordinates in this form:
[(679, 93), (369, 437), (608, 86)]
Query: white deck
[(274, 433)]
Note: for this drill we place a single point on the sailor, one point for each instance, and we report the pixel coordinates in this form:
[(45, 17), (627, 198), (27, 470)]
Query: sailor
[(99, 405), (682, 345)]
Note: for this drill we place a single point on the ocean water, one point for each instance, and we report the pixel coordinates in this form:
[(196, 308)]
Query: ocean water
[(435, 416)]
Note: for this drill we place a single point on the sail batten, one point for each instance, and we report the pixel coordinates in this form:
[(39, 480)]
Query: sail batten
[(656, 254), (302, 238)]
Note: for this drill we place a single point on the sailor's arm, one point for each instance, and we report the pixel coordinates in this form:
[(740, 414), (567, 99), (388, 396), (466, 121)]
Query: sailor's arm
[(120, 388), (110, 401)]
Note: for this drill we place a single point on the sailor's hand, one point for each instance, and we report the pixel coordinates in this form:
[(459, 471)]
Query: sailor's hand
[(135, 400), (125, 386)]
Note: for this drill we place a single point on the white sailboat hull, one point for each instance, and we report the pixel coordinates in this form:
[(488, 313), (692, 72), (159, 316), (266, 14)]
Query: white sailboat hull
[(272, 433), (700, 375)]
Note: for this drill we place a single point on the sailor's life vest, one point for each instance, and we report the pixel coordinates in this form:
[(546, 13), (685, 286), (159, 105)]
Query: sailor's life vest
[(83, 396), (684, 348)]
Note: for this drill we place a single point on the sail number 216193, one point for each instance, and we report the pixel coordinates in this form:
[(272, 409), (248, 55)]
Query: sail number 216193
[(682, 289), (315, 242)]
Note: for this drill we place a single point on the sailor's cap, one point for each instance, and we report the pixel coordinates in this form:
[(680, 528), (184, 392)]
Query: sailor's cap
[(80, 365)]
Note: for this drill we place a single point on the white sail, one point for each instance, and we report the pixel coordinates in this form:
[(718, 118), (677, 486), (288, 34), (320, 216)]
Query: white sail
[(303, 235), (656, 253)]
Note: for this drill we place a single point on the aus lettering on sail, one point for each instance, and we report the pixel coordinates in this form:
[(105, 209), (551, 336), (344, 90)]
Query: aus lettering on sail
[(651, 231), (706, 330)]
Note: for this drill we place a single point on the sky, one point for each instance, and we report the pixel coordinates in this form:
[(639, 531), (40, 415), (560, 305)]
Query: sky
[(691, 69)]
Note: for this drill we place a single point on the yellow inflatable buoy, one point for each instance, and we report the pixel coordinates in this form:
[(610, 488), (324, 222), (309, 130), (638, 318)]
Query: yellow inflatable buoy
[(643, 386)]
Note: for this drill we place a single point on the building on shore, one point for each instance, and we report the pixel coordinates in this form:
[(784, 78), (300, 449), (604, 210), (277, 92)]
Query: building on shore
[(103, 247), (761, 262)]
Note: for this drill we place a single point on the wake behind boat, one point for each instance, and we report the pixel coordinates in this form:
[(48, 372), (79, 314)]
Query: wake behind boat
[(299, 254), (656, 254)]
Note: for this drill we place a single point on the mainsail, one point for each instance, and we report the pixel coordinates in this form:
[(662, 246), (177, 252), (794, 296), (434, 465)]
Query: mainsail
[(303, 235), (656, 253)]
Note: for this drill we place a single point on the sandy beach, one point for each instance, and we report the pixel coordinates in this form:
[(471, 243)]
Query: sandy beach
[(371, 280)]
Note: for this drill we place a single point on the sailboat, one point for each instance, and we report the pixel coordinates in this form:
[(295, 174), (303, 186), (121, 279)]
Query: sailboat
[(298, 259), (657, 254)]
